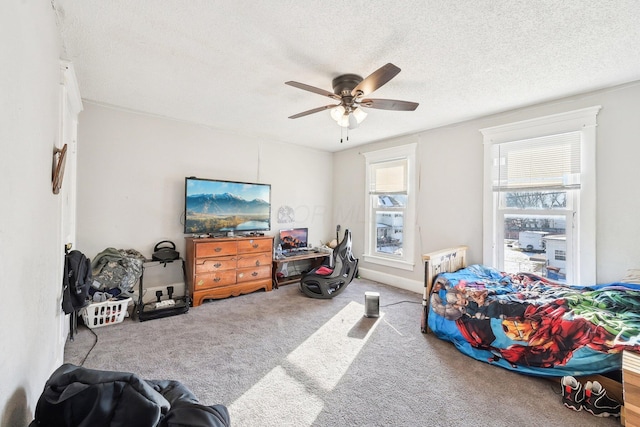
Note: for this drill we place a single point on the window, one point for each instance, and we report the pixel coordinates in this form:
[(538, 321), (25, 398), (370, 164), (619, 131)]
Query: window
[(390, 207), (539, 198)]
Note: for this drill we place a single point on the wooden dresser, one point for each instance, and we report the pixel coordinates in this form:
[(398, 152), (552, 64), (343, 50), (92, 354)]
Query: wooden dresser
[(228, 266), (631, 388)]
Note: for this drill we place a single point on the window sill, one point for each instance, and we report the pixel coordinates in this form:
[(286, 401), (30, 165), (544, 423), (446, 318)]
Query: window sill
[(387, 262)]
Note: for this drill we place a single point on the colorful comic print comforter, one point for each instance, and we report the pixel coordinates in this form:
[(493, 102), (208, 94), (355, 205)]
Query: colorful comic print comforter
[(535, 326)]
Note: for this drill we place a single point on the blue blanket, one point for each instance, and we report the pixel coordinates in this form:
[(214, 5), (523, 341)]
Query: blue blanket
[(533, 325)]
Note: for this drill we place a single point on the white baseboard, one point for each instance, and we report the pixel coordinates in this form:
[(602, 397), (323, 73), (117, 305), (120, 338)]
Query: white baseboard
[(392, 280)]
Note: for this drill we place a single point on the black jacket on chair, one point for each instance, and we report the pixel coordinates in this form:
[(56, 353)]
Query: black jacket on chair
[(77, 396)]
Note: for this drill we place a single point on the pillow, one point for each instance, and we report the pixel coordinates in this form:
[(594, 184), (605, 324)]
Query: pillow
[(324, 271), (633, 276)]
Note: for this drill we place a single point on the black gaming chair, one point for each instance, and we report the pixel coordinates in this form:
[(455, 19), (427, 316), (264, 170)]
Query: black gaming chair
[(324, 282)]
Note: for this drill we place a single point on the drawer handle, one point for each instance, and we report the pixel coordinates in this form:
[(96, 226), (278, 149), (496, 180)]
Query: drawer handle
[(254, 274), (255, 246), (218, 249), (217, 279), (258, 263), (217, 265)]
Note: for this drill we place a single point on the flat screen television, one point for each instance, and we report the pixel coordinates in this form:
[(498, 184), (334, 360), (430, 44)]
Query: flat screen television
[(218, 207)]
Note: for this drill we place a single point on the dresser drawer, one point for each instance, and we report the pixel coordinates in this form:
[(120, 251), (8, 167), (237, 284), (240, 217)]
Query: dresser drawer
[(256, 273), (210, 249), (257, 260), (213, 280), (208, 265), (247, 246)]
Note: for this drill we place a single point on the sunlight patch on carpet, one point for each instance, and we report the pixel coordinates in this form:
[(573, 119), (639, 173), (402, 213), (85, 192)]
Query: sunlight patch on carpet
[(327, 354), (320, 362)]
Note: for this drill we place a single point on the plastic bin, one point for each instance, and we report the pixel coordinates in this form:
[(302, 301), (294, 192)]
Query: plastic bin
[(105, 313)]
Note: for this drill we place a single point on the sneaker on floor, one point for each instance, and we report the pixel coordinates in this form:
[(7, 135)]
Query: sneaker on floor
[(598, 403), (572, 393)]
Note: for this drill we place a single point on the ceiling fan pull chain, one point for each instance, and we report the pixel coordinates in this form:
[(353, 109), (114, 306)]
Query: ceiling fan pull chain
[(342, 130)]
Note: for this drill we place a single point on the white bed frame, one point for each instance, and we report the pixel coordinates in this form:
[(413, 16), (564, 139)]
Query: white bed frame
[(442, 261)]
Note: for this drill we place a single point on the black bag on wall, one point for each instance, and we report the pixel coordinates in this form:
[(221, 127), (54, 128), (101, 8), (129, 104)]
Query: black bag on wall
[(165, 253), (75, 281)]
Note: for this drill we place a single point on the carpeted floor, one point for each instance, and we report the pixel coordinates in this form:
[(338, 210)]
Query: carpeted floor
[(281, 359)]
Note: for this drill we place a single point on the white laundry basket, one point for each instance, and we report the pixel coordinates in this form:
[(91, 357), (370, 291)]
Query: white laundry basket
[(105, 313)]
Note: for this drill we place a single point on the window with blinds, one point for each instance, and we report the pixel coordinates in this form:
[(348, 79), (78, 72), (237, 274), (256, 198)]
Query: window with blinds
[(545, 163), (390, 206), (539, 196)]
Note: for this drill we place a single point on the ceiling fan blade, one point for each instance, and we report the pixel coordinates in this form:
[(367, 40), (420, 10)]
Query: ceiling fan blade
[(315, 110), (375, 80), (389, 104), (313, 89)]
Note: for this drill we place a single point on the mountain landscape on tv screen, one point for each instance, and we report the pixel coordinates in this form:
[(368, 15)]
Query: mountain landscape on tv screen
[(210, 213), (225, 204)]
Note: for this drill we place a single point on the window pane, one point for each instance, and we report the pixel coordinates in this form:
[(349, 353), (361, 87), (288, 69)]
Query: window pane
[(389, 229), (390, 201), (535, 244), (548, 200)]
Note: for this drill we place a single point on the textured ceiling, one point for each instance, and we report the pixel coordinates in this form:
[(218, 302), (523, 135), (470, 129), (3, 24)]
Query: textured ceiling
[(223, 64)]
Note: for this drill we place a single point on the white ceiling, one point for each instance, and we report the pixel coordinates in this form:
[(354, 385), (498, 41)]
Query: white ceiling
[(223, 64)]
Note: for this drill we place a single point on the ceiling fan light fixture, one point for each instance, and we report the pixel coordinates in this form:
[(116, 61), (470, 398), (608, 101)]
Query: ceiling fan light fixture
[(348, 118), (359, 114), (337, 113), (343, 120), (353, 123)]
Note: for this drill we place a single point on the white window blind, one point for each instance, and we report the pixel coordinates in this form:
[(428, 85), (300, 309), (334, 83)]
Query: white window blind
[(544, 163), (389, 177)]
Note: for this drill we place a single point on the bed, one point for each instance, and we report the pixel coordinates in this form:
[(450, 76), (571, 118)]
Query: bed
[(527, 323)]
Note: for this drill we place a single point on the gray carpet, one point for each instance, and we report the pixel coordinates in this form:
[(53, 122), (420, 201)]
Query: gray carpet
[(281, 359)]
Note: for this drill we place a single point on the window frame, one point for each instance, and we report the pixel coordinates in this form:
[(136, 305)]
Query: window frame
[(584, 208), (406, 260)]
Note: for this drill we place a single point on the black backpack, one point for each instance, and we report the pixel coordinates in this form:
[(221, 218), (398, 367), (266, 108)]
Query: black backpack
[(75, 281)]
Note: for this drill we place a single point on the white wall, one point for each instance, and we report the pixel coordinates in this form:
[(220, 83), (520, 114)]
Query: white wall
[(450, 163), (31, 250), (131, 170)]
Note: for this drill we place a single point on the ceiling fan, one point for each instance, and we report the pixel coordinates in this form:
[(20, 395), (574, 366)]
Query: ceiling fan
[(350, 90)]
